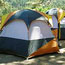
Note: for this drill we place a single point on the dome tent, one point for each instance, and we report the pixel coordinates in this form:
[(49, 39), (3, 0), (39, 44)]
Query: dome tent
[(59, 14), (26, 33), (53, 12), (61, 21)]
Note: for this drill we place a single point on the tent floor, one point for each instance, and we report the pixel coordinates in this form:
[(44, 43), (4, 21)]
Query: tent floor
[(48, 59)]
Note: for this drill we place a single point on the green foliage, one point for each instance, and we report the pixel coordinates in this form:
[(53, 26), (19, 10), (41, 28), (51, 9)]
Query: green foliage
[(7, 6), (42, 9)]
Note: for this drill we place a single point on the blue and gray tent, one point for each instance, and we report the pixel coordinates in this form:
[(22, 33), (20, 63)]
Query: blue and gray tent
[(26, 33)]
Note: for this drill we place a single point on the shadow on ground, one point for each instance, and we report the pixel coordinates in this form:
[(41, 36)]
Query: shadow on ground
[(48, 59)]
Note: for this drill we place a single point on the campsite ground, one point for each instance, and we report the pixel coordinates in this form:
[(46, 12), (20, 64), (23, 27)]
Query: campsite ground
[(49, 59)]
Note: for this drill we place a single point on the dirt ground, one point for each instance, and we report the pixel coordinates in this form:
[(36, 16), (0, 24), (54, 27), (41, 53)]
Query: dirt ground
[(48, 59)]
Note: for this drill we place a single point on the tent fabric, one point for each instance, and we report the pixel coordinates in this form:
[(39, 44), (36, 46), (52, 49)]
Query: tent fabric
[(13, 30), (55, 22), (37, 30), (6, 17), (62, 29), (62, 21), (24, 33), (3, 18), (36, 39), (18, 15), (51, 46), (54, 13), (27, 15), (59, 14), (20, 47)]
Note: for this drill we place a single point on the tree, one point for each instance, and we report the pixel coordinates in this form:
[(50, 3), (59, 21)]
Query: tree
[(5, 7)]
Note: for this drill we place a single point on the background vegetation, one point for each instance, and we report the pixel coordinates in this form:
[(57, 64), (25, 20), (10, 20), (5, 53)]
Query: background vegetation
[(7, 6)]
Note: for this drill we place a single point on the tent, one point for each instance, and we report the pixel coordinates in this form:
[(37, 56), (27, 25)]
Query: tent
[(62, 25), (26, 33), (59, 14), (53, 13)]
